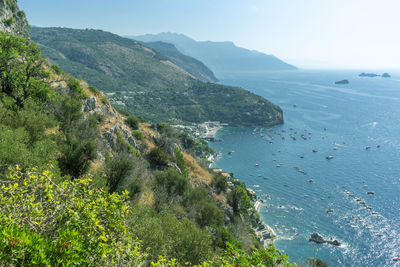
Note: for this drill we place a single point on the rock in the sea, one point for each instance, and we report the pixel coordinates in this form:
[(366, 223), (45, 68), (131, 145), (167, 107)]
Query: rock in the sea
[(334, 243), (342, 82), (370, 192), (315, 237), (386, 75), (368, 75)]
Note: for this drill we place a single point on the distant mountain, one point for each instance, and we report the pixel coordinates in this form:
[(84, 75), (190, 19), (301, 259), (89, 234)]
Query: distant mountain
[(189, 64), (219, 56), (147, 83)]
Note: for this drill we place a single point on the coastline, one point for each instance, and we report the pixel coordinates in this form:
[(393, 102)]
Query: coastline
[(264, 233)]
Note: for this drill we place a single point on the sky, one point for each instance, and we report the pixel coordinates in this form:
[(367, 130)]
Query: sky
[(311, 34)]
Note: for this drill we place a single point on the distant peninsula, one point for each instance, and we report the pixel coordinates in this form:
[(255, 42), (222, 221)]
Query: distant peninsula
[(159, 87), (220, 56)]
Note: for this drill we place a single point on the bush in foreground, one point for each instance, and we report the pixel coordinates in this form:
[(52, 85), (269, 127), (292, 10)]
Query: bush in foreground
[(66, 223), (48, 222)]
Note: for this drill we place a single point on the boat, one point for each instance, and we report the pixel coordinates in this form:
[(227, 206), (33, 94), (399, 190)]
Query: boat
[(329, 157), (396, 259), (367, 147), (278, 165), (314, 150), (257, 164)]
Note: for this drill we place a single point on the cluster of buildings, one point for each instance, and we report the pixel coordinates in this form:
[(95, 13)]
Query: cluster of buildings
[(206, 130)]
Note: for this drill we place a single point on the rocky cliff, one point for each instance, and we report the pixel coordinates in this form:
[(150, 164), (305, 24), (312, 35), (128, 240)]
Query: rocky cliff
[(12, 20)]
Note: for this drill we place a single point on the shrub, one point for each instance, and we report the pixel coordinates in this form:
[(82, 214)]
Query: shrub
[(94, 90), (158, 158), (76, 225), (219, 183), (239, 200), (132, 122), (180, 161), (56, 69), (138, 135), (8, 22), (170, 181), (22, 72), (116, 170), (104, 100), (75, 85), (77, 155), (208, 214), (165, 234)]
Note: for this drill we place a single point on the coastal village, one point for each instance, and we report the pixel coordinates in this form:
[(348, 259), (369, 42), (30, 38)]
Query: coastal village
[(206, 130)]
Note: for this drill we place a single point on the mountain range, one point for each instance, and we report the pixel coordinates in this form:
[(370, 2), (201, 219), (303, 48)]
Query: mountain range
[(219, 56)]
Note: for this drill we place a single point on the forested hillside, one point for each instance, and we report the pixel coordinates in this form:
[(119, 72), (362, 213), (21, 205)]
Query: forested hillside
[(81, 184), (146, 83)]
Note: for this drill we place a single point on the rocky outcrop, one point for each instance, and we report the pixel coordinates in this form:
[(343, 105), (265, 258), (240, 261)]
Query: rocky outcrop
[(386, 75), (12, 20), (371, 75), (342, 82), (315, 237), (112, 127)]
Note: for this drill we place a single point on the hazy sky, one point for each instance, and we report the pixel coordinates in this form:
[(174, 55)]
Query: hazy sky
[(363, 34)]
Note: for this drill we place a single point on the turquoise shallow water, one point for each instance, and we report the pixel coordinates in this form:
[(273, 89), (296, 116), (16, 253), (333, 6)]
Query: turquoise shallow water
[(336, 120)]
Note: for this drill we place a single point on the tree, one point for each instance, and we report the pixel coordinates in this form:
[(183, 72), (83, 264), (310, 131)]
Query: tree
[(21, 71), (117, 169), (239, 200), (219, 183), (132, 122), (158, 158)]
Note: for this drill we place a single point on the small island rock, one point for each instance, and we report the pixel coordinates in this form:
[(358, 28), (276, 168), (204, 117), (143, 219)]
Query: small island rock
[(315, 237), (342, 82), (371, 75)]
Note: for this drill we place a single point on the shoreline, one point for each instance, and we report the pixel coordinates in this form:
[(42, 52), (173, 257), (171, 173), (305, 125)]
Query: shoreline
[(265, 234)]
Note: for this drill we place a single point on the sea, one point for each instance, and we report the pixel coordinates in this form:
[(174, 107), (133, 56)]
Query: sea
[(353, 197)]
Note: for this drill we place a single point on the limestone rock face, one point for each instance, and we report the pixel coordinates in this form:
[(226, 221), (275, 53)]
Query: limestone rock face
[(12, 20)]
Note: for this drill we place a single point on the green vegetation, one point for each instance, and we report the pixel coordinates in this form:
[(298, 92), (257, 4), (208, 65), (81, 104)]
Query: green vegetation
[(75, 85), (132, 122), (138, 135), (56, 69), (95, 228), (145, 84), (94, 90), (219, 183), (9, 21), (76, 225), (53, 214), (189, 64)]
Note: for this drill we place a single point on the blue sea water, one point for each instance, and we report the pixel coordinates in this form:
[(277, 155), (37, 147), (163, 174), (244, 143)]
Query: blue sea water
[(337, 120)]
